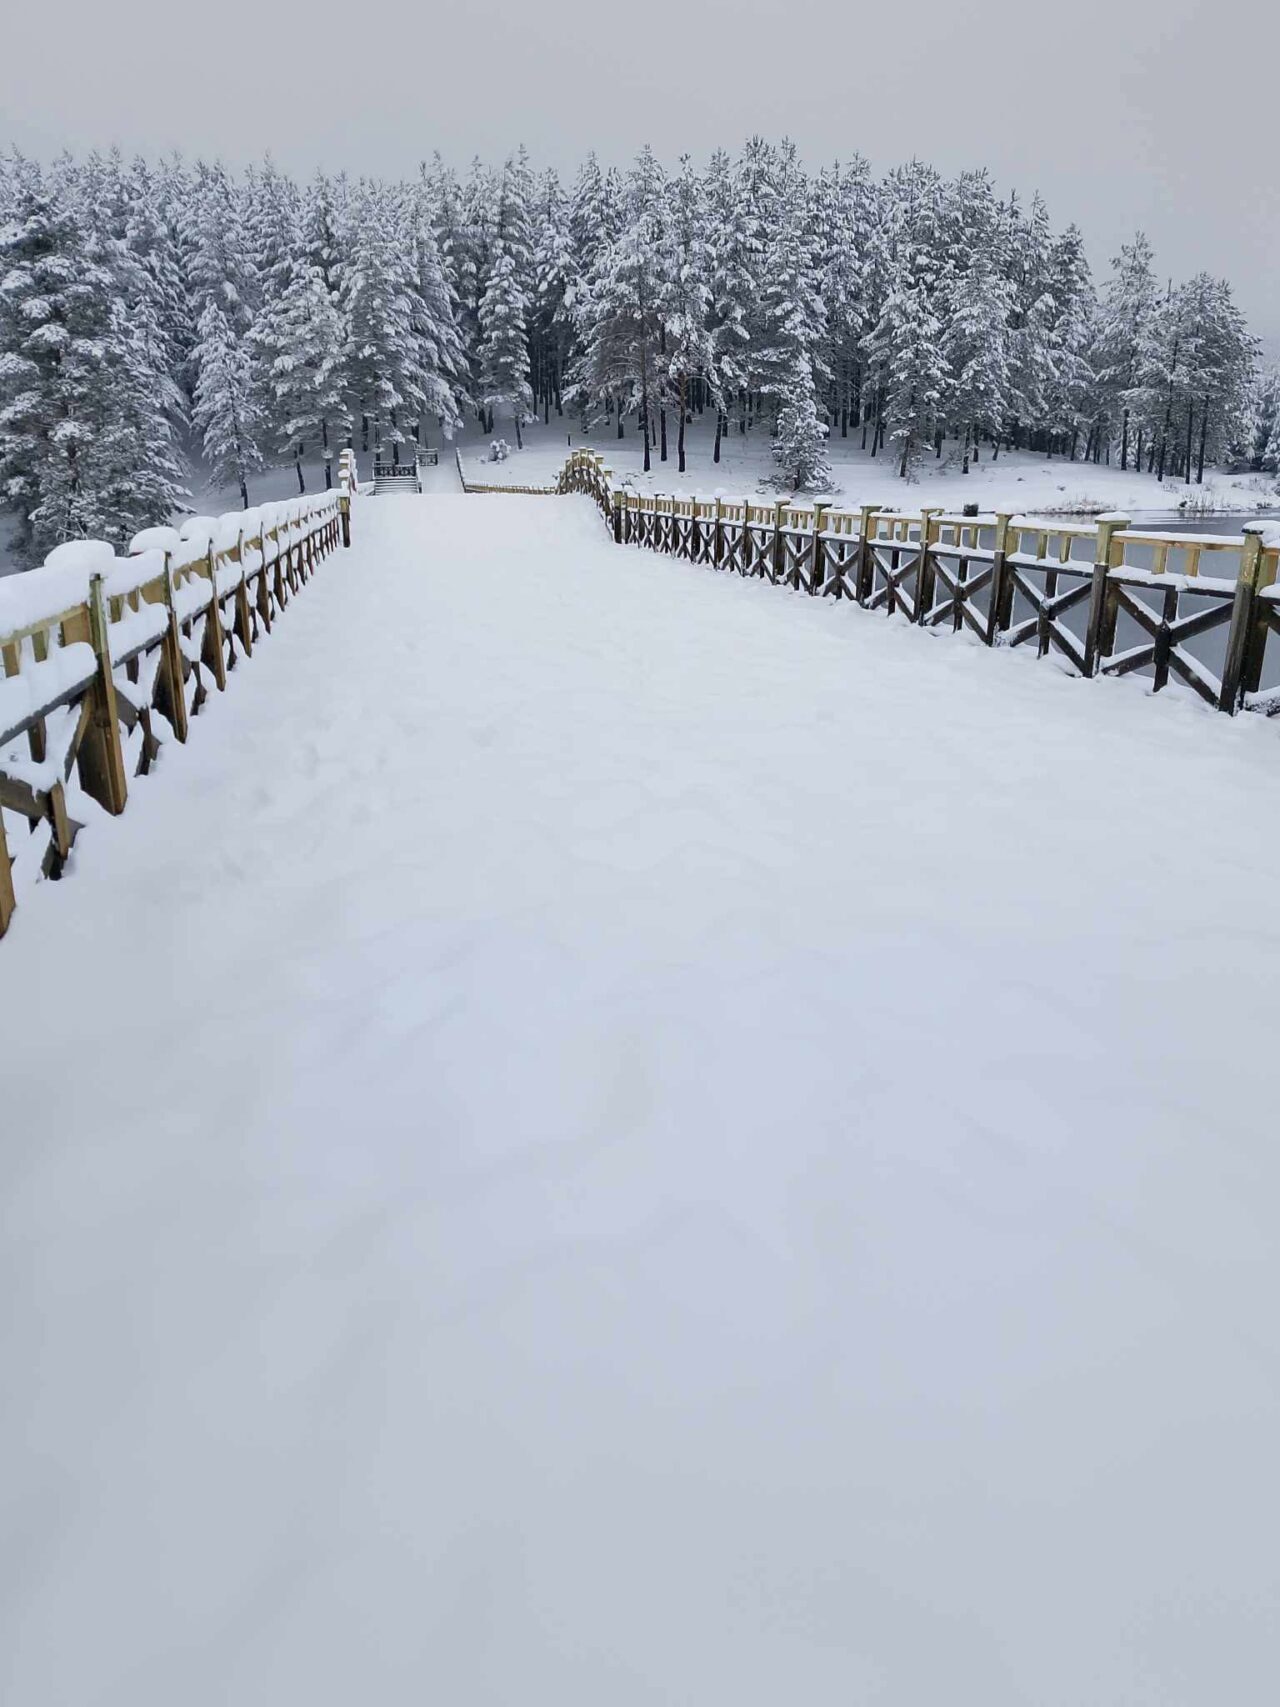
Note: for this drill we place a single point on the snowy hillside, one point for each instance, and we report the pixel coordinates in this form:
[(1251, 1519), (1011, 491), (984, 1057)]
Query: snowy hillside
[(618, 1135)]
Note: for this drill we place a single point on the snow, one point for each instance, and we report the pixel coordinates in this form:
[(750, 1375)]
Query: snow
[(620, 1135), (1019, 481)]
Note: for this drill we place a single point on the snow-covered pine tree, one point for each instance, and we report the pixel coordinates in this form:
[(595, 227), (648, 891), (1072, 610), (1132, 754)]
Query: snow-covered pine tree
[(621, 363), (1069, 393), (551, 325), (975, 345), (688, 353), (1120, 332), (504, 350), (228, 404), (387, 373), (79, 453), (793, 329), (734, 265), (844, 215), (442, 361), (308, 371)]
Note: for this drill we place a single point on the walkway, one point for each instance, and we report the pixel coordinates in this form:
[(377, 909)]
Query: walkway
[(609, 1135)]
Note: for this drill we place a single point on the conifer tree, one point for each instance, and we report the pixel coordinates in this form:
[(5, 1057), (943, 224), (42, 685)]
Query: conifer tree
[(228, 404)]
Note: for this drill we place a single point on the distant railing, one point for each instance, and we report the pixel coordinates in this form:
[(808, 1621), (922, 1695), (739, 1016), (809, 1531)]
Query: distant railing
[(106, 658), (1006, 579)]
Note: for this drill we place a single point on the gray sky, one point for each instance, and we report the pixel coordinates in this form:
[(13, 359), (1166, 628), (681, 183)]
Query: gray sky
[(1125, 113)]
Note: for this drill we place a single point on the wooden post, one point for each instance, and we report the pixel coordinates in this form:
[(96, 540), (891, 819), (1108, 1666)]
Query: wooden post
[(1104, 605), (1000, 611), (777, 560), (244, 625), (7, 900), (866, 576), (815, 564), (344, 505), (171, 684), (215, 650), (925, 568), (101, 757), (618, 510), (718, 546), (1247, 635)]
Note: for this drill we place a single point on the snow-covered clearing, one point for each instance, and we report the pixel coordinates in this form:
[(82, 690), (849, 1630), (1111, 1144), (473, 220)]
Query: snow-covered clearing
[(1022, 482), (607, 1134)]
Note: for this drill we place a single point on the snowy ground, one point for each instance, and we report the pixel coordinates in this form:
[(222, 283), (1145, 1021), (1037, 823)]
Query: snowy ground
[(1017, 481), (615, 1136)]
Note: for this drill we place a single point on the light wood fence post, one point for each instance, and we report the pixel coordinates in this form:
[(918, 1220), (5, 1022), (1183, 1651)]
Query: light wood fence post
[(7, 899), (925, 571), (866, 576), (816, 575), (215, 650), (1104, 604), (1247, 635), (776, 570), (1000, 610), (172, 682), (101, 756)]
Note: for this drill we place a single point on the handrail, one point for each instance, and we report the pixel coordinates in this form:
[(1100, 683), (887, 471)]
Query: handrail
[(104, 658), (1007, 579)]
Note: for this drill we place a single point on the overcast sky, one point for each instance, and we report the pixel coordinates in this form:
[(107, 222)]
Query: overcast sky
[(1160, 114)]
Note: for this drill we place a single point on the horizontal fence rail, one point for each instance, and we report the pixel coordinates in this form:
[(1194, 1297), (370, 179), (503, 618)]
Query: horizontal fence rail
[(1067, 589), (105, 659)]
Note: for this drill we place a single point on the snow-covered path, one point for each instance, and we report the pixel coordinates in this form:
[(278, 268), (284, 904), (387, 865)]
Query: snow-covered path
[(610, 1136)]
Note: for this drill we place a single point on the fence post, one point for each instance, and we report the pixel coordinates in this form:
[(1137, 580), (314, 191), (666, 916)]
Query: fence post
[(1247, 636), (1001, 607), (101, 760), (172, 681), (344, 505), (215, 651), (866, 575), (718, 546), (244, 628), (776, 573), (816, 576), (7, 899), (1100, 634), (925, 569)]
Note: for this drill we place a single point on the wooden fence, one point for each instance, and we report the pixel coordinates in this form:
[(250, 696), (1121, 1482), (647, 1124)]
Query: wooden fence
[(106, 658), (1006, 579)]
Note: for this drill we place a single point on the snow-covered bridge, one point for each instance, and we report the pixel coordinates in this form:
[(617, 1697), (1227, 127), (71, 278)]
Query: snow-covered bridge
[(607, 1135)]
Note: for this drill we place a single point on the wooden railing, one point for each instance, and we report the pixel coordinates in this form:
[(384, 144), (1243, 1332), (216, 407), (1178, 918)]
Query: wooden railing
[(1006, 579), (106, 658)]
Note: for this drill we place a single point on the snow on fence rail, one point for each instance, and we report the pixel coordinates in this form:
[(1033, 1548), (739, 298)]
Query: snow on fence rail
[(104, 657), (1009, 580)]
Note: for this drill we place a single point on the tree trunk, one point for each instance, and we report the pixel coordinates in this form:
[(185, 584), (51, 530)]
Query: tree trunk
[(715, 455), (1124, 445), (515, 416), (680, 442), (297, 463)]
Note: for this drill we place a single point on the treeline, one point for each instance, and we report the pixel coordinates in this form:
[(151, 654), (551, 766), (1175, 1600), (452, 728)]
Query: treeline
[(146, 309)]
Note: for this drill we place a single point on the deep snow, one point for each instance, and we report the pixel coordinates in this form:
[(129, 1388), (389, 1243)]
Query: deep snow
[(605, 1134)]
